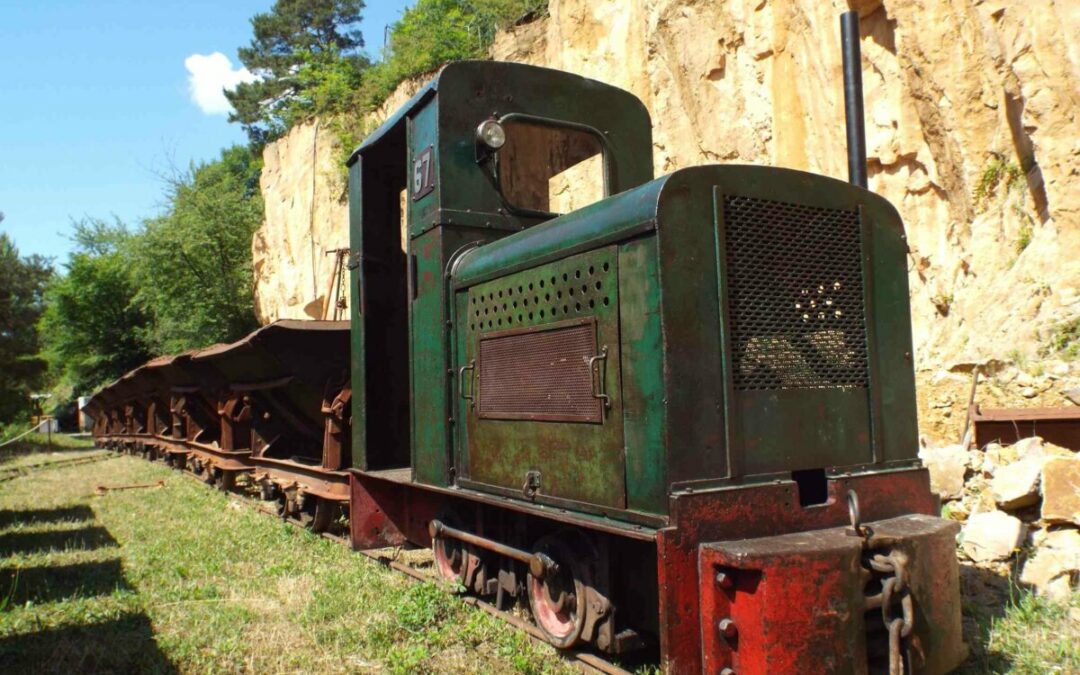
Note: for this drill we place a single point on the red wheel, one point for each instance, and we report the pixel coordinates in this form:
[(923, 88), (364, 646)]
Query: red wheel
[(558, 599), (451, 559)]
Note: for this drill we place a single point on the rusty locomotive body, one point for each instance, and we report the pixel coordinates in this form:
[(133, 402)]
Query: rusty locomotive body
[(677, 421)]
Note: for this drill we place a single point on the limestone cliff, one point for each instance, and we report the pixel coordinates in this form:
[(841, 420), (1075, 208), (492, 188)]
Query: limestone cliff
[(973, 119)]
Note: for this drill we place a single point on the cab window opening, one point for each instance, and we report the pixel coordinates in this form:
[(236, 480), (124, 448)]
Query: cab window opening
[(549, 168)]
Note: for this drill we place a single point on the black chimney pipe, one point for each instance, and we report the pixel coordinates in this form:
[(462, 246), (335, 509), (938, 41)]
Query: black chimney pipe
[(853, 99)]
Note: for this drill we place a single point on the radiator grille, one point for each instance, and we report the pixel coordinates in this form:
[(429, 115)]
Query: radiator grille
[(539, 374), (795, 295)]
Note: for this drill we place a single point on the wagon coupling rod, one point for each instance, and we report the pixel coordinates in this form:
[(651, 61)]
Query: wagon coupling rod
[(539, 564)]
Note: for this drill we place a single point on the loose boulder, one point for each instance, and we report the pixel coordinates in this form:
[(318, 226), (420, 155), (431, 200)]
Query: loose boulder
[(1061, 490), (991, 536), (1052, 571), (947, 466), (1016, 485)]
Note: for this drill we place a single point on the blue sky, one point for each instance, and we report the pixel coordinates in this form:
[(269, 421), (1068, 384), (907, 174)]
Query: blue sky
[(96, 102)]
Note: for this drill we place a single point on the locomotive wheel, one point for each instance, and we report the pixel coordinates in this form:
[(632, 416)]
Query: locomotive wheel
[(451, 559), (558, 600), (212, 476)]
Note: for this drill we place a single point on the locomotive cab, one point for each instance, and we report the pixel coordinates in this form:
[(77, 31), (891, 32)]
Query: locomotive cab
[(486, 149)]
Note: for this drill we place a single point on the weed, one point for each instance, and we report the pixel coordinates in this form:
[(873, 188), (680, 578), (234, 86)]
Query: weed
[(999, 171), (1065, 339)]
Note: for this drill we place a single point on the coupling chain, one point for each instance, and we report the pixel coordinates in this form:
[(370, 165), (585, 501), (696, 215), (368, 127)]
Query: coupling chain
[(892, 588)]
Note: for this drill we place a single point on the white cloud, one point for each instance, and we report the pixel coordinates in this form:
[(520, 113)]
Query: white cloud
[(209, 75)]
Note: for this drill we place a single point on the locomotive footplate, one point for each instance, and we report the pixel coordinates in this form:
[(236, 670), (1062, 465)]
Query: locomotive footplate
[(883, 597)]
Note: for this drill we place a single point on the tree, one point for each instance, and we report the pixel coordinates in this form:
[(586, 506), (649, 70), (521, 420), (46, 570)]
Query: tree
[(92, 331), (22, 286), (303, 51), (192, 265)]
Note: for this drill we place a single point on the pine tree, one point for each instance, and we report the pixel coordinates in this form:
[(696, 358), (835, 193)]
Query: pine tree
[(300, 49)]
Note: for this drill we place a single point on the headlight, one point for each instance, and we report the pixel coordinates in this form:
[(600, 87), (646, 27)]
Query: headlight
[(491, 134)]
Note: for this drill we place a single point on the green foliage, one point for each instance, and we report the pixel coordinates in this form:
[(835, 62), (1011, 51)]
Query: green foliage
[(997, 173), (434, 32), (22, 287), (92, 330), (429, 34), (192, 265), (1065, 339), (306, 56), (182, 281)]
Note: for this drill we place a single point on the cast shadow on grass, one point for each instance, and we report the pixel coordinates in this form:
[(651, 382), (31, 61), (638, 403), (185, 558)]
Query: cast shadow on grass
[(123, 645), (82, 539), (76, 513), (60, 582), (986, 596)]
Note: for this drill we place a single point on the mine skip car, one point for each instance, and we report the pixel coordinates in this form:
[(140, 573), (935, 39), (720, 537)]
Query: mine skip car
[(678, 421)]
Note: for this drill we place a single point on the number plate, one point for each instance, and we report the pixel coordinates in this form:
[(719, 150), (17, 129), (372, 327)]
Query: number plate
[(423, 174)]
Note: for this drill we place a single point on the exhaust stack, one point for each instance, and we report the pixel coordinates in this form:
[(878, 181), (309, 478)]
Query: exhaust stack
[(853, 98)]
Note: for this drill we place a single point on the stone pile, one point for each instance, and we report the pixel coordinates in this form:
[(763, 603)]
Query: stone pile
[(1020, 505)]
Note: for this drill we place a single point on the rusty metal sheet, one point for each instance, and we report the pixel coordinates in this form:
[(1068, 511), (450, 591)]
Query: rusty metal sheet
[(539, 373), (1060, 426), (806, 602), (728, 514)]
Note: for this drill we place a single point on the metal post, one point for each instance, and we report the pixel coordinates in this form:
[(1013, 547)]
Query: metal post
[(853, 98)]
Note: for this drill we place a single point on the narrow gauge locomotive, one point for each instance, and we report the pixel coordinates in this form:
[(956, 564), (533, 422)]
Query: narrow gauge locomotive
[(678, 419)]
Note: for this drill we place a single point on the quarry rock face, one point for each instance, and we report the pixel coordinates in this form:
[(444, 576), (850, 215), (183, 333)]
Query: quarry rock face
[(306, 215), (972, 111)]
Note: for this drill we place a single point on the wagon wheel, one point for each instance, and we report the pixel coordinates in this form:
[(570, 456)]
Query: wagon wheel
[(227, 480), (558, 600), (323, 516), (267, 491)]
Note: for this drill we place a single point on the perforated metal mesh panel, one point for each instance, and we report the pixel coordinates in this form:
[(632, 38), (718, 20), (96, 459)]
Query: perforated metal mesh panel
[(795, 295), (539, 373), (582, 286)]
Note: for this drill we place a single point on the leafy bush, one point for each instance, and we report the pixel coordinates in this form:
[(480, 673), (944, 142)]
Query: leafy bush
[(22, 285), (191, 266), (92, 330)]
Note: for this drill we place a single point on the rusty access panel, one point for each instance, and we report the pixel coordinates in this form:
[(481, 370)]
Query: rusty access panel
[(540, 383)]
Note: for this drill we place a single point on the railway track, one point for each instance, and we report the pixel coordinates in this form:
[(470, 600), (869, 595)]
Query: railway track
[(25, 469)]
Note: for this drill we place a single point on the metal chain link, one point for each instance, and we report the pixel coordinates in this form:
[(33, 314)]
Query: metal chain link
[(893, 587)]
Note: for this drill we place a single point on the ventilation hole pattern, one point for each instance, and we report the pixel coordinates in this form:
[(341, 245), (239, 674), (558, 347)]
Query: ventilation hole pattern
[(795, 295), (578, 287)]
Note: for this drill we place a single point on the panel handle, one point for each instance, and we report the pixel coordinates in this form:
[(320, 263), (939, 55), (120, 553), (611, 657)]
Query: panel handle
[(596, 373), (461, 383)]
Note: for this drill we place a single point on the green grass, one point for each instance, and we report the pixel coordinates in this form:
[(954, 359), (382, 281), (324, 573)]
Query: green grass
[(188, 579), (1033, 636)]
